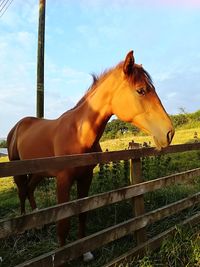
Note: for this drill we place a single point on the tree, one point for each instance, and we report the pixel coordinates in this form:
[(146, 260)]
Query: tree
[(116, 127), (3, 144)]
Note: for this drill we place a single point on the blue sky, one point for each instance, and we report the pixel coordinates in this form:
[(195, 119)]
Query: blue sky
[(88, 36)]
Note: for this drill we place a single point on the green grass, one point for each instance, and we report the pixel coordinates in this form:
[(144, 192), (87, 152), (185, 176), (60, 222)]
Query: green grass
[(19, 248), (180, 137), (180, 250)]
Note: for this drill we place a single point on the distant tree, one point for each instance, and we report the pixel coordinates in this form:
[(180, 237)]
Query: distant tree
[(180, 119), (182, 110), (117, 126), (3, 144), (195, 116)]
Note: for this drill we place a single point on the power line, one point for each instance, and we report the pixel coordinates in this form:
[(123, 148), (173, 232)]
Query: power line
[(4, 5), (2, 2)]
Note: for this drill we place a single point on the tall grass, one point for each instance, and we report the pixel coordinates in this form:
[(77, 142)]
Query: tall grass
[(180, 250)]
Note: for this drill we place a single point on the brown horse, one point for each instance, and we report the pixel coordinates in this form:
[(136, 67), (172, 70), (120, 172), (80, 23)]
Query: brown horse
[(126, 91)]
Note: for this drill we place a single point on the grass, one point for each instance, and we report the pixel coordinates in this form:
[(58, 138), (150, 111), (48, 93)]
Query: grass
[(180, 250), (180, 137), (16, 249)]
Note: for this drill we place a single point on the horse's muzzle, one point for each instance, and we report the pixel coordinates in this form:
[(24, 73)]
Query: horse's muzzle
[(170, 136)]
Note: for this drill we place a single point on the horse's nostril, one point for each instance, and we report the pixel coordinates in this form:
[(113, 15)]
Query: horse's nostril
[(170, 135)]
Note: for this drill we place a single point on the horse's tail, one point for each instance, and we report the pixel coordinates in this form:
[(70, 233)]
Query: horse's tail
[(12, 143)]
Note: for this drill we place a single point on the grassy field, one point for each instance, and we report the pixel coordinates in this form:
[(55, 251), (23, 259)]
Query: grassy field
[(180, 137), (184, 250)]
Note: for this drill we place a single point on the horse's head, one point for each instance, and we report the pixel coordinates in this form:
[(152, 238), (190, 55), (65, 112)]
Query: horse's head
[(136, 101)]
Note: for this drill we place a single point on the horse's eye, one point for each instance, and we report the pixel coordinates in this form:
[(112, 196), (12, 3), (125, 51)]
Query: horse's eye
[(141, 91)]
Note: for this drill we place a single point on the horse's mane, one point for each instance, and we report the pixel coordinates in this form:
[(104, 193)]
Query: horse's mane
[(138, 74)]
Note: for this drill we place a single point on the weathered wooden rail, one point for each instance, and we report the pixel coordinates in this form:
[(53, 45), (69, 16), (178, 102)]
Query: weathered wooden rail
[(135, 192)]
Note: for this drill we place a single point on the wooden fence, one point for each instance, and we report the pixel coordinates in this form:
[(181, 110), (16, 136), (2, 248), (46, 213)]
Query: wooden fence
[(134, 192)]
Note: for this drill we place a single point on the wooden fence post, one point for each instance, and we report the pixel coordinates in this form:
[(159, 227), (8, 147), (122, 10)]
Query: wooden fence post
[(138, 202), (40, 60)]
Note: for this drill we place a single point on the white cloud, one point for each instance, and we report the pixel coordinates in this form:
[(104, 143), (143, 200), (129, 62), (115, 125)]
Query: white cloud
[(90, 39), (66, 81), (144, 3), (172, 94), (21, 14), (162, 76), (18, 64), (25, 39), (180, 90), (74, 74)]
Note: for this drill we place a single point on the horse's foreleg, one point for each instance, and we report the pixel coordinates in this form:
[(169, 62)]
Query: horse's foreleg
[(83, 185), (33, 182), (64, 183), (21, 182)]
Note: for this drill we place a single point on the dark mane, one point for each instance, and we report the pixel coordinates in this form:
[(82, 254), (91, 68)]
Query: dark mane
[(139, 74)]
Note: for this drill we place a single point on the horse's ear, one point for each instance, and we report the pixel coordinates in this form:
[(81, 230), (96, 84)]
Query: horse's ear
[(129, 63)]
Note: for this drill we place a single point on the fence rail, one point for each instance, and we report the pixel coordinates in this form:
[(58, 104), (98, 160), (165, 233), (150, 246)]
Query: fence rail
[(135, 192), (150, 245), (55, 213), (77, 248), (60, 162)]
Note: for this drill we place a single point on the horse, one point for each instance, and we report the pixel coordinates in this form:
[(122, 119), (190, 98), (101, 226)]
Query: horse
[(126, 91)]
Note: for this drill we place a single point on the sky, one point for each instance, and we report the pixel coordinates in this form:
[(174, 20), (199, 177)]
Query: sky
[(88, 36)]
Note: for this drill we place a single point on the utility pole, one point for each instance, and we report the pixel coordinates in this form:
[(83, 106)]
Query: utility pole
[(40, 60)]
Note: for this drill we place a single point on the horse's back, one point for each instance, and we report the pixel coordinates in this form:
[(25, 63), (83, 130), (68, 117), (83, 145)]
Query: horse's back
[(25, 137)]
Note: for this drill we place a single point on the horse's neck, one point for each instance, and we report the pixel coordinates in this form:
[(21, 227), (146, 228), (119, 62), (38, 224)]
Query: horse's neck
[(94, 113)]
